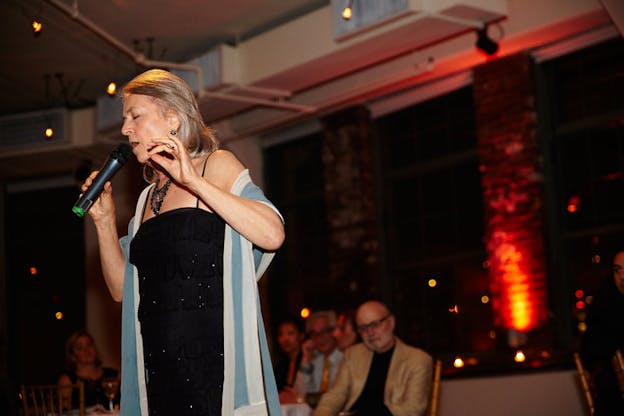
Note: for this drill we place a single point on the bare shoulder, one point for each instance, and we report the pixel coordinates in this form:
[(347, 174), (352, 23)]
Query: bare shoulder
[(222, 168)]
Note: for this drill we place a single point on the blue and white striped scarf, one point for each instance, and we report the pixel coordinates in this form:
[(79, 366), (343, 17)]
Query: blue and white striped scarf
[(249, 384)]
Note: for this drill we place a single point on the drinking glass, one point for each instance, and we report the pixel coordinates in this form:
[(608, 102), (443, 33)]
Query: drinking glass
[(110, 386)]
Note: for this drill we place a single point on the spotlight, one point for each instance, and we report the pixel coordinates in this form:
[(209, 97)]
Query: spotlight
[(111, 89), (485, 43), (49, 132), (347, 12), (37, 27)]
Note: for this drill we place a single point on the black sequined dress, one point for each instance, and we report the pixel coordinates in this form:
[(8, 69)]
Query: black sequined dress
[(179, 258)]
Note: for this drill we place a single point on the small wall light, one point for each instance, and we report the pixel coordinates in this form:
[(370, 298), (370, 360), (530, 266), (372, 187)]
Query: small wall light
[(111, 89), (37, 27), (347, 12)]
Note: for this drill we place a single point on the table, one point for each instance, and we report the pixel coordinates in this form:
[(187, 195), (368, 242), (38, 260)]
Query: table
[(297, 409), (98, 410)]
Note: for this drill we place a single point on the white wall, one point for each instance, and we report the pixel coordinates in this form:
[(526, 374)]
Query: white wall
[(553, 393), (248, 151)]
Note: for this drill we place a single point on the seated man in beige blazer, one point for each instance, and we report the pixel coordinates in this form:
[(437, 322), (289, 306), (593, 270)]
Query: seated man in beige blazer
[(380, 376)]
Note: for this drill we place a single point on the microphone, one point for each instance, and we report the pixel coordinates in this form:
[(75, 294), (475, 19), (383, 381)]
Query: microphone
[(118, 157)]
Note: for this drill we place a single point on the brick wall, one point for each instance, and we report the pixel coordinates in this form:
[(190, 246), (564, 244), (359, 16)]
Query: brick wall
[(511, 168), (349, 196)]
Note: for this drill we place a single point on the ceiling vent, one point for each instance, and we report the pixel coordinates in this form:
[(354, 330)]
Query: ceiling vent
[(208, 75), (25, 132), (372, 14)]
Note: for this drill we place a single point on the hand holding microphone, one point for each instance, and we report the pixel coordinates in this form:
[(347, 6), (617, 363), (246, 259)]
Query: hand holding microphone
[(116, 160)]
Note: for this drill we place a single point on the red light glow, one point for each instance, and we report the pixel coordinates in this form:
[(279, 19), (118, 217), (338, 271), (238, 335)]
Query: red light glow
[(518, 284), (573, 204), (515, 290)]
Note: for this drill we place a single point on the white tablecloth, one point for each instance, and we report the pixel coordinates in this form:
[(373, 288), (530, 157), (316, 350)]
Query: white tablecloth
[(296, 409), (98, 410)]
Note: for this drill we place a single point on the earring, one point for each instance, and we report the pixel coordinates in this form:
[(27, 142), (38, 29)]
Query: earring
[(173, 132)]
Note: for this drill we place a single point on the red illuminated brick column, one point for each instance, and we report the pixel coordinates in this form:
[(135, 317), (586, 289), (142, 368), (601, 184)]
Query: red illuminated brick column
[(349, 196), (512, 191)]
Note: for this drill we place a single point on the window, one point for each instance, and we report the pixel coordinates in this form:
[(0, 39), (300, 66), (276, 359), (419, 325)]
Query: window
[(294, 177), (434, 224), (586, 100)]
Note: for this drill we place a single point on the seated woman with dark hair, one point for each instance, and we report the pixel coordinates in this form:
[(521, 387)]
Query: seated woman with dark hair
[(83, 364), (286, 363)]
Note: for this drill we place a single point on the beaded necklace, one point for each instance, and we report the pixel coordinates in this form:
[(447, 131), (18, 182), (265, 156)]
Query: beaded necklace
[(158, 196)]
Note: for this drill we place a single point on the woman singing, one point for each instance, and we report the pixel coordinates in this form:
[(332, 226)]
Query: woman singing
[(193, 342)]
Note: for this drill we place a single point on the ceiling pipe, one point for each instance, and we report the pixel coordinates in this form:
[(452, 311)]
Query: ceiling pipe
[(139, 58), (261, 101), (475, 24), (338, 100), (273, 92)]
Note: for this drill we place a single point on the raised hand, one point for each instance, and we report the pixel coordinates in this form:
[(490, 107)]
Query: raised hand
[(170, 154)]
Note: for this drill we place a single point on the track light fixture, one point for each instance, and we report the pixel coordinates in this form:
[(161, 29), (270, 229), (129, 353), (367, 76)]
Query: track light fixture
[(485, 43), (37, 27), (347, 12)]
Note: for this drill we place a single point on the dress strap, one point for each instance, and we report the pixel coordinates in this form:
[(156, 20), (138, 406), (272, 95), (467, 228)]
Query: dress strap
[(203, 171)]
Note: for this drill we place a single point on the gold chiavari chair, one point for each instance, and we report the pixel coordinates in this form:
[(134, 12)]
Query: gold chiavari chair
[(618, 368), (52, 400), (434, 397), (584, 380)]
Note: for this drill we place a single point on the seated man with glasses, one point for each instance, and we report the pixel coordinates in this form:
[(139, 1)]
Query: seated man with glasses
[(381, 376), (320, 357)]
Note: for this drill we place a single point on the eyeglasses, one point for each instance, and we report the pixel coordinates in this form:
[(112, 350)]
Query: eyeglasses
[(617, 268), (372, 325), (314, 334)]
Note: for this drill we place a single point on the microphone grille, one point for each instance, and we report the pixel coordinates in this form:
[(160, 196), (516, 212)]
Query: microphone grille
[(122, 152)]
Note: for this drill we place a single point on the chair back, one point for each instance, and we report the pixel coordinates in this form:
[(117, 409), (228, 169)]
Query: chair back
[(434, 397), (584, 380), (618, 368), (52, 399)]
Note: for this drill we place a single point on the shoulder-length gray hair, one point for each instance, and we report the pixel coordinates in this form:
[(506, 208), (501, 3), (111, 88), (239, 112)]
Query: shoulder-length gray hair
[(171, 93)]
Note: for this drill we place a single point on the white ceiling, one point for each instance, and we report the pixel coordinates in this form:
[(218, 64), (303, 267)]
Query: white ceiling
[(287, 46), (278, 47), (180, 30)]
